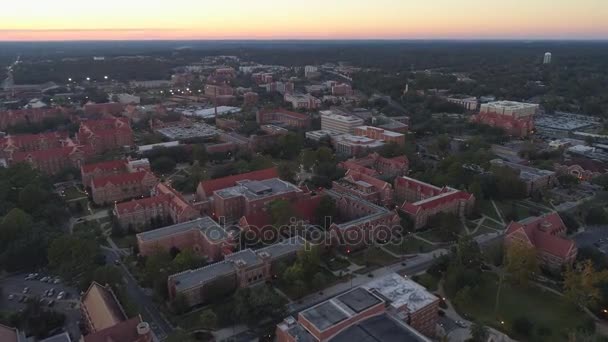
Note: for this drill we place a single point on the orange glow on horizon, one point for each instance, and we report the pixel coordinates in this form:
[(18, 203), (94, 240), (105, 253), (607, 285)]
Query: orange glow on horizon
[(314, 19)]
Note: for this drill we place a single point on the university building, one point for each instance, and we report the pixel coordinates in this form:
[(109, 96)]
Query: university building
[(365, 186), (516, 118), (423, 200), (113, 167), (164, 203), (371, 312), (123, 186), (375, 165), (547, 235), (105, 134), (281, 117), (380, 134), (237, 270)]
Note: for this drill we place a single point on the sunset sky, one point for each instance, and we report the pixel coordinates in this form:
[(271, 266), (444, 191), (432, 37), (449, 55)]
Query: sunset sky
[(311, 19)]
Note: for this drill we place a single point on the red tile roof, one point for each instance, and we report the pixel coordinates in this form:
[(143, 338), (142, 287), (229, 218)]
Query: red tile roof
[(53, 153), (148, 202), (127, 177), (221, 183), (105, 166), (544, 234), (296, 115), (125, 331)]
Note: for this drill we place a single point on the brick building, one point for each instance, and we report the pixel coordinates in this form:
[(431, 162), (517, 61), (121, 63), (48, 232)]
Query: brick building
[(357, 315), (250, 98), (354, 145), (52, 161), (113, 167), (547, 235), (122, 186), (380, 134), (203, 236), (281, 117), (112, 108), (105, 319), (165, 202), (362, 222), (206, 188), (365, 186), (249, 196), (11, 117), (213, 90), (516, 118), (105, 134), (534, 178), (409, 301), (375, 165), (423, 200), (237, 270), (342, 89)]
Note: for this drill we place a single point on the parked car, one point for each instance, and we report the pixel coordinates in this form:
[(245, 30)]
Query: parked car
[(26, 290), (461, 324), (60, 295), (51, 303), (11, 297), (22, 299), (57, 281), (44, 279), (51, 292)]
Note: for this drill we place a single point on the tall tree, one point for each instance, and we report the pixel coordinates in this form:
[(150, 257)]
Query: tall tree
[(581, 284), (521, 263)]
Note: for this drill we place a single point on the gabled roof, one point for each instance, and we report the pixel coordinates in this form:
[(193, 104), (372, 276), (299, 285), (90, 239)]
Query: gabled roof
[(543, 232), (53, 153), (8, 334), (105, 166), (125, 331), (127, 177), (140, 204), (103, 308), (209, 186)]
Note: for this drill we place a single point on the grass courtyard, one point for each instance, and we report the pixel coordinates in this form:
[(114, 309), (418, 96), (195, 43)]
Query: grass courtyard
[(373, 256), (552, 317), (409, 245)]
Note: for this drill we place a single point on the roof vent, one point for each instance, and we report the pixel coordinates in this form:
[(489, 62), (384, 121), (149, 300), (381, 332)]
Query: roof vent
[(143, 328)]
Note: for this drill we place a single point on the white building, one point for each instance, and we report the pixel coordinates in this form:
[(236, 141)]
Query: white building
[(331, 121), (468, 102), (547, 58), (509, 108), (300, 101)]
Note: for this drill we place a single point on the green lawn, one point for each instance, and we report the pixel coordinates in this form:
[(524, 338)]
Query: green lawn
[(486, 208), (433, 235), (483, 230), (492, 224), (192, 321), (427, 280), (519, 211), (73, 193), (409, 245), (372, 256), (552, 317), (293, 293)]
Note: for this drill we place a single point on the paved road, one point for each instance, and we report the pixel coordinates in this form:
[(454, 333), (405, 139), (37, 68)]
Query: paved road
[(147, 308)]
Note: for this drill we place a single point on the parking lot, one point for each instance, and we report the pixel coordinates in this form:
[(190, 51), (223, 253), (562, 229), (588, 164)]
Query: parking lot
[(593, 236), (14, 299)]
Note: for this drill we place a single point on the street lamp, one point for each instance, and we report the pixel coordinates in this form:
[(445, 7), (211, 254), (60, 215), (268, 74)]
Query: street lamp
[(70, 79), (88, 78), (105, 77)]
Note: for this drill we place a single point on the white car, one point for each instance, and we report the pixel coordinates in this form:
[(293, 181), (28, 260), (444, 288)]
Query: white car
[(11, 297), (26, 290), (461, 324), (44, 279), (56, 281), (60, 295)]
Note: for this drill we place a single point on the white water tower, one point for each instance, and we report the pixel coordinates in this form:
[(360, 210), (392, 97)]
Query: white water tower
[(547, 58)]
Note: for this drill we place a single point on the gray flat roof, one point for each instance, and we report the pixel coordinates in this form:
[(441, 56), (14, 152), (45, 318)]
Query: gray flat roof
[(359, 299), (192, 278), (246, 255), (337, 309), (380, 328), (206, 225), (257, 189), (300, 334), (402, 291), (290, 245), (324, 315)]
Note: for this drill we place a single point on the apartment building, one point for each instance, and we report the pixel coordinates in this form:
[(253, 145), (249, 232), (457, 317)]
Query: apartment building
[(516, 118)]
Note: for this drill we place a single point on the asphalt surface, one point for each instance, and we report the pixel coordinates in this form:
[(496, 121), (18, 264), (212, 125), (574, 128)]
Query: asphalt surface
[(15, 284), (146, 306)]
